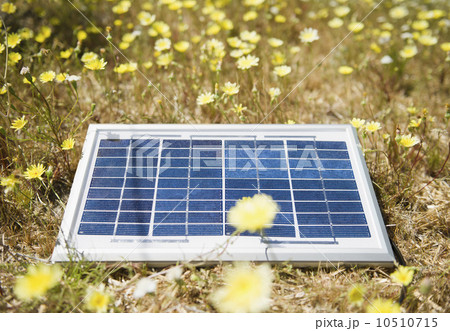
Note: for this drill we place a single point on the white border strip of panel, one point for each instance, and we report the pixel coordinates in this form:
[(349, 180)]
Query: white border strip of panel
[(375, 250)]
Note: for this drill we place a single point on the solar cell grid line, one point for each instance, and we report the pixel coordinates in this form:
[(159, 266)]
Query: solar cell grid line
[(186, 229), (158, 165), (116, 223), (319, 164), (224, 214), (296, 225), (273, 151)]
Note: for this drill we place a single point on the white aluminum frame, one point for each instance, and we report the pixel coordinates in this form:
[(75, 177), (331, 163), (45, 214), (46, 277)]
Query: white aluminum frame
[(159, 251)]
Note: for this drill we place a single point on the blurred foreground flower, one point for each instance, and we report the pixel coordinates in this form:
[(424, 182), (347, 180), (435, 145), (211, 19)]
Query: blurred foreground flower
[(246, 290), (403, 275), (383, 306), (356, 294), (34, 171), (174, 274), (253, 214), (144, 286), (97, 300), (38, 280)]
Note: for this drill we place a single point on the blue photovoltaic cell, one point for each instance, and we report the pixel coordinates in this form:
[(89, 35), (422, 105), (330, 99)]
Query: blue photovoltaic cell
[(182, 187)]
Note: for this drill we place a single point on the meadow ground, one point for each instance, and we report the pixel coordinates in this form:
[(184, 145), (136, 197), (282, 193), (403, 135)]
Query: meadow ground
[(66, 64)]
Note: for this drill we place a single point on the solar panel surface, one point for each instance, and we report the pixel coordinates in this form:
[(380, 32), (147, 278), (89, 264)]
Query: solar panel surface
[(156, 189)]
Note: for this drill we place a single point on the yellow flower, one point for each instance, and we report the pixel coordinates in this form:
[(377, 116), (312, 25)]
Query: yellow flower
[(246, 289), (275, 42), (445, 47), (3, 89), (189, 3), (345, 70), (89, 56), (97, 300), (205, 98), (408, 51), (250, 16), (230, 88), (357, 122), (383, 306), (280, 18), (9, 182), (161, 28), (253, 214), (61, 77), (278, 58), (162, 44), (234, 42), (81, 35), (97, 64), (47, 76), (246, 62), (308, 35), (373, 126), (26, 81), (335, 23), (66, 54), (227, 25), (126, 67), (145, 18), (181, 46), (290, 122), (13, 40), (14, 57), (238, 109), (34, 171), (253, 3), (38, 280), (420, 25), (164, 59), (374, 47), (355, 26), (414, 123), (341, 11), (282, 71), (294, 49), (274, 92), (407, 140), (398, 12), (19, 123), (122, 7), (250, 36), (356, 294), (129, 37), (8, 8), (427, 40), (403, 275), (147, 64), (26, 33), (68, 144)]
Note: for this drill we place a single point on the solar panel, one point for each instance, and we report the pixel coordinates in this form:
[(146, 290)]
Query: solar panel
[(162, 193)]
